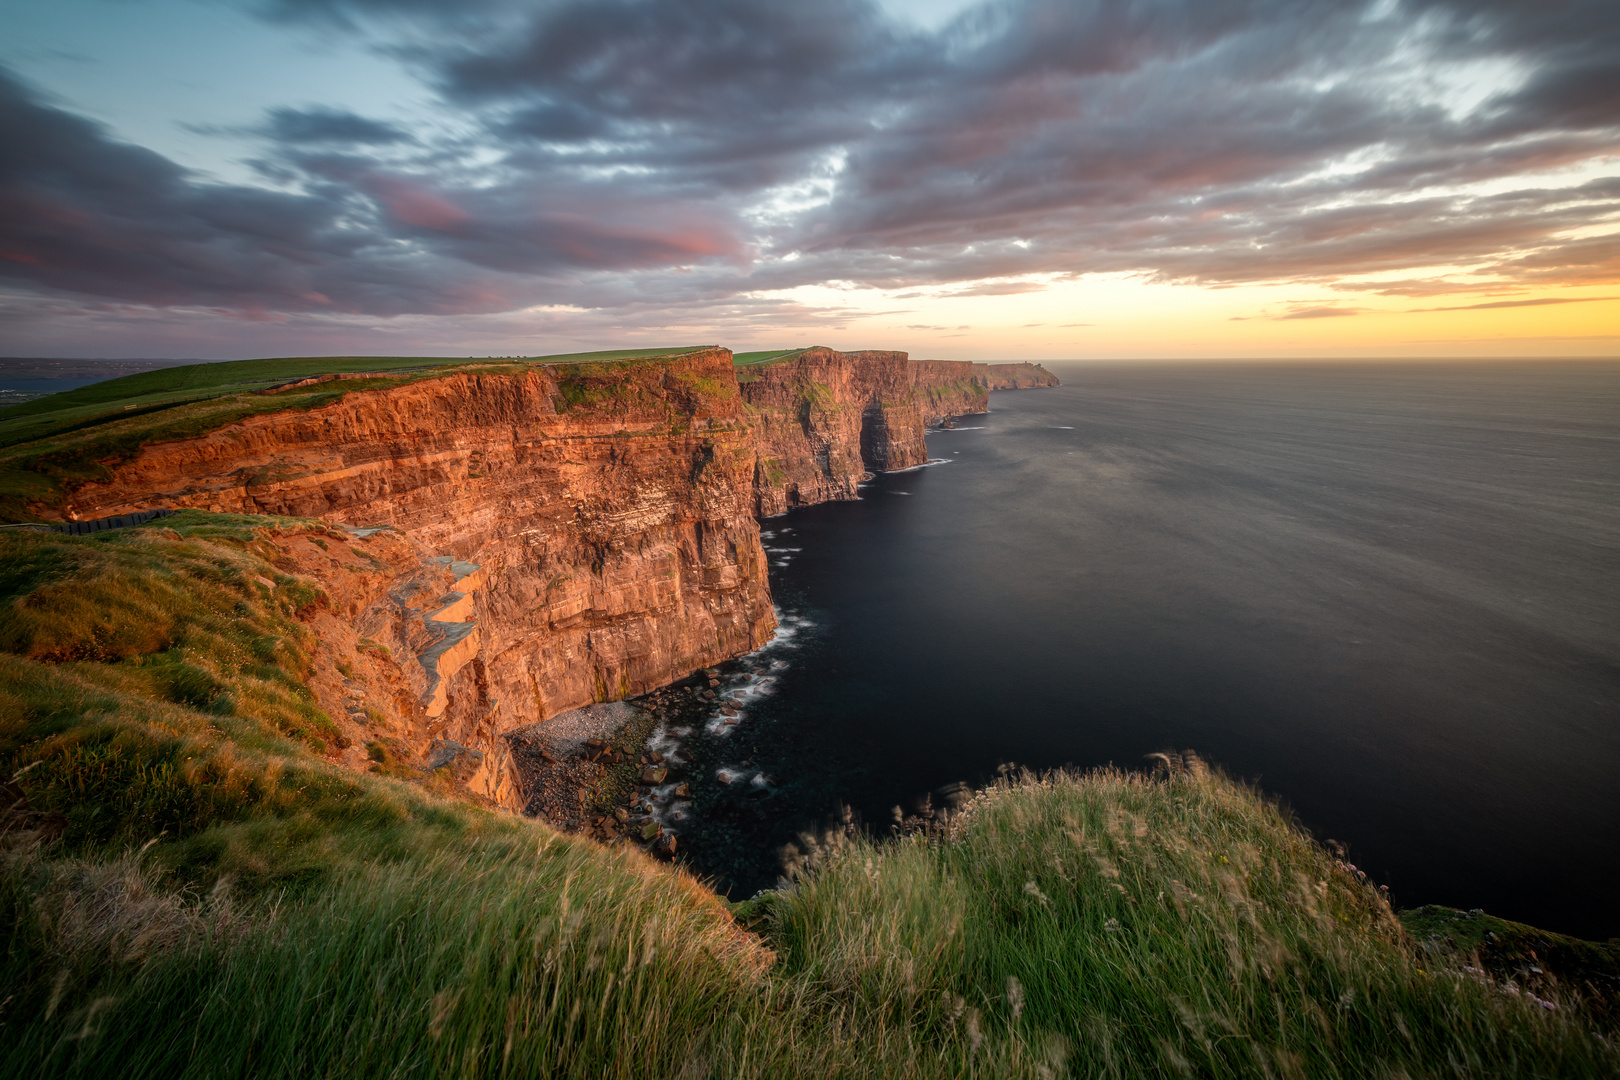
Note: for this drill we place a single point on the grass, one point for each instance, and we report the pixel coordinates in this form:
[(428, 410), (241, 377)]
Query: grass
[(763, 356), (188, 887), (53, 444), (624, 386), (152, 679)]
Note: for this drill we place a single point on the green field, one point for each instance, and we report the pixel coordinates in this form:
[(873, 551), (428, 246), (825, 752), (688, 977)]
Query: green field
[(746, 359), (189, 888)]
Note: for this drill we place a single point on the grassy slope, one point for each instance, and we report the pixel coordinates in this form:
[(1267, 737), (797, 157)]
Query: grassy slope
[(747, 359), (50, 445), (293, 919)]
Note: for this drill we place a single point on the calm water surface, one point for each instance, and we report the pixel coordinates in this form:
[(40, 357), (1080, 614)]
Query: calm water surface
[(1387, 594)]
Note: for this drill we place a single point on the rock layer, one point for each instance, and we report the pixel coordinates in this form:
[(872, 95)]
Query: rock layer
[(827, 418), (584, 533), (610, 508)]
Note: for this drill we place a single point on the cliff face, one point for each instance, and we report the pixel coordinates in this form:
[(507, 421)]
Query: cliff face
[(826, 419), (560, 536), (607, 513)]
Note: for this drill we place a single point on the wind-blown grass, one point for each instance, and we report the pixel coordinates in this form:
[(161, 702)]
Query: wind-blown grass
[(1114, 924), (1109, 924)]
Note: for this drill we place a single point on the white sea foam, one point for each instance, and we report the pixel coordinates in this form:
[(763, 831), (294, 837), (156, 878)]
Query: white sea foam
[(1061, 427), (664, 742), (747, 695), (664, 808), (924, 465)]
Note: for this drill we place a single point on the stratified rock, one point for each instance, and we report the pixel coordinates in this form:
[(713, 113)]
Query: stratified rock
[(827, 418), (607, 509), (537, 538)]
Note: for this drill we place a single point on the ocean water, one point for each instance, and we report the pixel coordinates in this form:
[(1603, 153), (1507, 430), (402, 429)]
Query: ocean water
[(42, 386), (1389, 595)]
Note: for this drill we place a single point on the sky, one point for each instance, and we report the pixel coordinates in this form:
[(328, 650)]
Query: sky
[(966, 180)]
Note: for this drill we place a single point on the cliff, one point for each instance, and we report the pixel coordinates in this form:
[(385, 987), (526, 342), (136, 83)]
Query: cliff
[(826, 419), (1025, 376), (608, 509), (568, 534)]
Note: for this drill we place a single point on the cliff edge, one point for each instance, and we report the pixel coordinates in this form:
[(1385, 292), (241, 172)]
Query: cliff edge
[(579, 532)]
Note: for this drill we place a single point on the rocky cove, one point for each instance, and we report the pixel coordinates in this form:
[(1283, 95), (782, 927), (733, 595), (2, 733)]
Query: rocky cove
[(506, 551)]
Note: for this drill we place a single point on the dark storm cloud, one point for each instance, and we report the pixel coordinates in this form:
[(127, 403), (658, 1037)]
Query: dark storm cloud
[(302, 126), (82, 213), (628, 154)]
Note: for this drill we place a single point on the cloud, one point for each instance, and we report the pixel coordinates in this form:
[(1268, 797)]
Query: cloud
[(1000, 288), (1538, 302), (1318, 313), (654, 159), (322, 125), (90, 216)]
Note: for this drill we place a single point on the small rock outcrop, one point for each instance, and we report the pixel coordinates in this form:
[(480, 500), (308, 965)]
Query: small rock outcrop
[(1025, 376)]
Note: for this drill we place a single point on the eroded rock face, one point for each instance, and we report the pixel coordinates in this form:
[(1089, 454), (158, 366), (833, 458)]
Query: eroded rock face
[(828, 418), (565, 536), (610, 512)]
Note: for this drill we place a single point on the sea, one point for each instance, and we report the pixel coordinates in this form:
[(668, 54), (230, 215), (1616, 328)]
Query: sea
[(1387, 594)]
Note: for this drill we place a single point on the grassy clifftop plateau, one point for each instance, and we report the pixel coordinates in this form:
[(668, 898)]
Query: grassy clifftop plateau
[(53, 443), (189, 886)]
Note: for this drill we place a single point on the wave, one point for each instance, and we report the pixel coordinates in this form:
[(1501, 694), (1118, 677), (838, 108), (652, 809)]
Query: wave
[(914, 468)]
